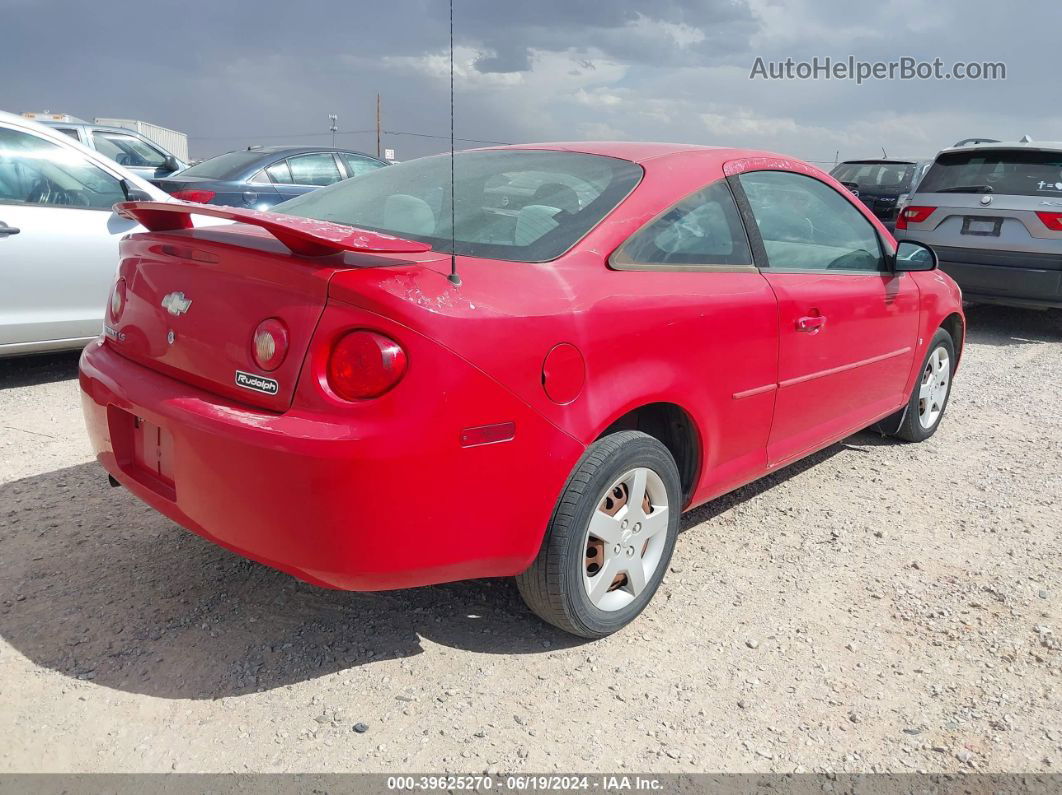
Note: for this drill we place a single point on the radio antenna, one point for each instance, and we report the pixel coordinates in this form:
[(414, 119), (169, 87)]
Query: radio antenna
[(453, 277)]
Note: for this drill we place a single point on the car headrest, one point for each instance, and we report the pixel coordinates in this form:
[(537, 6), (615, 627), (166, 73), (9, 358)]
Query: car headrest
[(408, 214), (534, 221)]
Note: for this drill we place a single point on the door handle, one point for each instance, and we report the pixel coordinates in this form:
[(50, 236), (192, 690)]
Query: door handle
[(811, 324), (6, 230)]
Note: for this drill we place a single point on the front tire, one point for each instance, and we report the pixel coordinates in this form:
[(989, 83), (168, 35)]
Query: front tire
[(610, 538), (930, 396)]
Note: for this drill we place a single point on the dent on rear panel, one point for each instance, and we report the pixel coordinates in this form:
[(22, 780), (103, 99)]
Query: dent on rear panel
[(429, 290)]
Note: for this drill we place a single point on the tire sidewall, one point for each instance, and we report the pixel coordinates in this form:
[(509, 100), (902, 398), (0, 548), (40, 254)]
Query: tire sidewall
[(640, 451)]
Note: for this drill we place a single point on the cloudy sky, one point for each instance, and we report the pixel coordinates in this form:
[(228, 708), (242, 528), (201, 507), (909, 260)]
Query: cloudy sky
[(232, 73)]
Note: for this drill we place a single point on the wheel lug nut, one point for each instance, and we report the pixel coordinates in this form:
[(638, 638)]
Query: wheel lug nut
[(638, 527), (630, 552), (624, 524), (617, 549)]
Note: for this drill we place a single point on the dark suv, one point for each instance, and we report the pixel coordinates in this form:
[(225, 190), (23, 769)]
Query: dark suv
[(882, 185), (993, 214)]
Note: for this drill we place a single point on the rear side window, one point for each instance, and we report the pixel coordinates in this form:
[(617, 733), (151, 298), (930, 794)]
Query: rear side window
[(703, 229), (280, 173), (316, 169), (1016, 172)]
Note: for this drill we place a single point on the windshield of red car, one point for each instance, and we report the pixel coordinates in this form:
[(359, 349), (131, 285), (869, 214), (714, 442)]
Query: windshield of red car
[(511, 204)]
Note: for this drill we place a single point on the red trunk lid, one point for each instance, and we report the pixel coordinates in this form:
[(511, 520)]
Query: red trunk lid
[(193, 298), (192, 304)]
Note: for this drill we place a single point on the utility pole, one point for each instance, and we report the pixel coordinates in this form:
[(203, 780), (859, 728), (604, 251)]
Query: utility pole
[(378, 130), (334, 119)]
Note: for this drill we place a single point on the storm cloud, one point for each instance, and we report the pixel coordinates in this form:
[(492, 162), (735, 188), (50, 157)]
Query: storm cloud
[(237, 73)]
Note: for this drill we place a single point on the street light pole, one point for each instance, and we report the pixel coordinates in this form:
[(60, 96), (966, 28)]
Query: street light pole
[(334, 119)]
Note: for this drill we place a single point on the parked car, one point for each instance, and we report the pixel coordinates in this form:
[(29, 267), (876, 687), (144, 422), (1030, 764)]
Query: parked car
[(58, 236), (264, 176), (127, 148), (993, 214), (659, 326), (880, 184)]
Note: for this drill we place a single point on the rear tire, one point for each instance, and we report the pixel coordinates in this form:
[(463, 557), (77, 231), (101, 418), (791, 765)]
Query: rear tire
[(931, 392), (610, 538)]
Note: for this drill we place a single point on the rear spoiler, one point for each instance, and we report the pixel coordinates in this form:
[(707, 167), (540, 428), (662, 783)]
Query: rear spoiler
[(305, 236)]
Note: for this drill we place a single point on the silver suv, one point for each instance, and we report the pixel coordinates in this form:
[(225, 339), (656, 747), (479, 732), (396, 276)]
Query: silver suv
[(993, 214)]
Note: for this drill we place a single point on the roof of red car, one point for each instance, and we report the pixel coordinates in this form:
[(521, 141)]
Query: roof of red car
[(637, 151)]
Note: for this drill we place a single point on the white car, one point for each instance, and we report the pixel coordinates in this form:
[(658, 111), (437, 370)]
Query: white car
[(58, 236)]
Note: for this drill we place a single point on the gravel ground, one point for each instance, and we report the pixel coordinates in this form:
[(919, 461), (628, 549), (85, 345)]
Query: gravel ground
[(878, 607)]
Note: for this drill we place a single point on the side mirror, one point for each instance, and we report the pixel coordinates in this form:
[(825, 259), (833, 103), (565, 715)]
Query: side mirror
[(172, 164), (134, 194), (914, 256)]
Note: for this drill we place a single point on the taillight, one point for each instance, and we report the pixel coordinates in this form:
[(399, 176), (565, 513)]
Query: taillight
[(1052, 221), (198, 195), (913, 215), (117, 299), (365, 364), (269, 344)]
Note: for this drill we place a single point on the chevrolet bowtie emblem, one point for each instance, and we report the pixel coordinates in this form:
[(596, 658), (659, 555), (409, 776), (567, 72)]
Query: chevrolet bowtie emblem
[(176, 303)]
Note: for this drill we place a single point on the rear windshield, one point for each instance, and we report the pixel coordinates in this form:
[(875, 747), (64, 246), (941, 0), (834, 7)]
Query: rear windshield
[(886, 177), (223, 166), (1017, 172), (517, 205)]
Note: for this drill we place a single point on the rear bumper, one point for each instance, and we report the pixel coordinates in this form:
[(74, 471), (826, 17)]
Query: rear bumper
[(377, 504), (1007, 277)]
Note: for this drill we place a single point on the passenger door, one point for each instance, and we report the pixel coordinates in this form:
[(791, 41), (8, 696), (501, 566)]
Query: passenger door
[(58, 240), (847, 323)]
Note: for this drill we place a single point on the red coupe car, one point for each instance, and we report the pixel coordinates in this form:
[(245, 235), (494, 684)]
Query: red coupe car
[(636, 329)]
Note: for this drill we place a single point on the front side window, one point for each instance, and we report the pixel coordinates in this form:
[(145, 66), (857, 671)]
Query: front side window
[(318, 168), (807, 225), (358, 165), (703, 229), (521, 205), (38, 172), (127, 150), (1016, 172)]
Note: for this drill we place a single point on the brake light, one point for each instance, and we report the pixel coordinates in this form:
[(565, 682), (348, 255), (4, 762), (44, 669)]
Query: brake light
[(269, 344), (1052, 221), (914, 215), (365, 364), (197, 195), (117, 299)]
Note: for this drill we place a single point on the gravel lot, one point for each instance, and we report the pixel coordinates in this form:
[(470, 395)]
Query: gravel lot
[(879, 607)]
